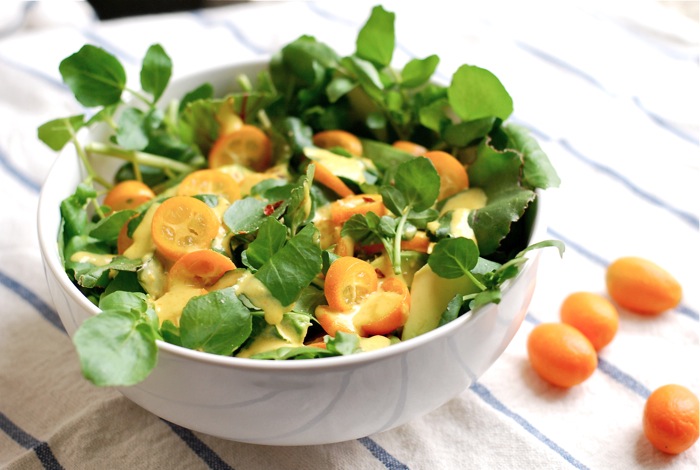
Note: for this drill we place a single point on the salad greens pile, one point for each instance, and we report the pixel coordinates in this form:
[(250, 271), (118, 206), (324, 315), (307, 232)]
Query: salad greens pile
[(306, 88)]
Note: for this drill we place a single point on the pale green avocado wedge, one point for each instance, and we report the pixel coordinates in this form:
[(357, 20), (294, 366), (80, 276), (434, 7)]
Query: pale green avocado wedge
[(430, 295)]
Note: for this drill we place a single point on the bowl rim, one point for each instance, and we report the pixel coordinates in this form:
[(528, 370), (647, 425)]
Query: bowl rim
[(48, 245)]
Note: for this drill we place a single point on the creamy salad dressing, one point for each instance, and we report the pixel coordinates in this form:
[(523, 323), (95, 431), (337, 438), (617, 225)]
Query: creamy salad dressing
[(92, 258), (143, 242)]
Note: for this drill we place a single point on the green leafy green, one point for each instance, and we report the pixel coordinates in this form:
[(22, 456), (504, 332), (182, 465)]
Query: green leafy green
[(156, 71), (216, 323), (476, 93), (95, 76)]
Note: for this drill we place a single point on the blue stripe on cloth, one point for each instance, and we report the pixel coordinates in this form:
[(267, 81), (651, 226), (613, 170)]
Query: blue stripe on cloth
[(619, 376), (488, 397), (18, 175), (661, 122), (202, 450), (561, 64), (21, 437), (34, 300), (233, 29), (388, 460), (109, 46), (590, 79), (34, 73), (687, 217), (681, 309)]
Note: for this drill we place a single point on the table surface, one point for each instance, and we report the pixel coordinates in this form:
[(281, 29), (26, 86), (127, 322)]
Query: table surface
[(610, 92)]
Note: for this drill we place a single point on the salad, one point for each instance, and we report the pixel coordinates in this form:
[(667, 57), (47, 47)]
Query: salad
[(332, 205)]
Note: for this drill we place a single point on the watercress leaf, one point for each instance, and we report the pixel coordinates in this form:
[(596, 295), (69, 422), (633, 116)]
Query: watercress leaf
[(115, 349), (205, 91), (293, 352), (124, 281), (156, 71), (464, 133), (492, 222), (385, 226), (452, 310), (88, 275), (434, 115), (170, 333), (216, 322), (125, 302), (73, 215), (476, 93), (485, 297), (344, 344), (293, 267), (420, 219), (95, 76), (495, 170), (384, 156), (299, 205), (418, 71), (375, 121), (419, 182), (366, 75), (558, 244), (538, 171), (271, 237), (375, 41), (131, 132), (339, 87), (453, 257), (311, 297), (58, 132), (393, 199), (245, 215), (107, 229), (358, 228), (307, 59)]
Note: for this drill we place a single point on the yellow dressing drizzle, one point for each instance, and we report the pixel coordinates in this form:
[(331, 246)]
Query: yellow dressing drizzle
[(143, 243), (92, 258)]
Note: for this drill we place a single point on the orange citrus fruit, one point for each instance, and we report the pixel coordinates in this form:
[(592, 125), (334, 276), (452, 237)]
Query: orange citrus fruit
[(593, 315), (561, 354), (641, 286), (671, 418)]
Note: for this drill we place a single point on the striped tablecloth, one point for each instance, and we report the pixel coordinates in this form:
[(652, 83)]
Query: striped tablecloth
[(610, 89)]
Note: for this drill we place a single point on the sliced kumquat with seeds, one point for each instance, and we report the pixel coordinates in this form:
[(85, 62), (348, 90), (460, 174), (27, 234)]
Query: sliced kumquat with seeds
[(671, 419), (343, 209), (332, 321), (410, 147), (128, 194), (338, 138), (349, 281), (210, 182), (182, 224), (201, 268), (561, 354), (248, 146), (453, 175), (385, 310)]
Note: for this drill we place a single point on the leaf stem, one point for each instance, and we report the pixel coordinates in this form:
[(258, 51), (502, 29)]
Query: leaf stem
[(396, 261), (137, 157)]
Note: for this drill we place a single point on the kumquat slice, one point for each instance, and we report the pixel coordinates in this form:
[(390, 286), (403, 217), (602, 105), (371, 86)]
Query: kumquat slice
[(201, 268), (247, 146), (210, 182), (182, 224), (349, 281)]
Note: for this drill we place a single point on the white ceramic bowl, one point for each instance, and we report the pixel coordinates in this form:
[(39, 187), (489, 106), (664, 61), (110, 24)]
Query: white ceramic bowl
[(301, 402)]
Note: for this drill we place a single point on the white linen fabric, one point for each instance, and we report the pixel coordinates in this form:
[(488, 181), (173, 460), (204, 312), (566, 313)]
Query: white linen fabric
[(609, 88)]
